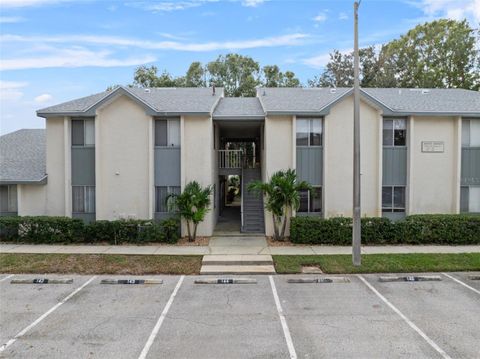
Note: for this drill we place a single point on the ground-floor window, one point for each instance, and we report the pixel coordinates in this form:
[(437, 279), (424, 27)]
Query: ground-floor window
[(470, 199), (161, 196), (8, 198), (83, 199), (393, 199), (311, 201)]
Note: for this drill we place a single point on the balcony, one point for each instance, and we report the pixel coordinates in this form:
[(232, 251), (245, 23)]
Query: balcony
[(230, 159)]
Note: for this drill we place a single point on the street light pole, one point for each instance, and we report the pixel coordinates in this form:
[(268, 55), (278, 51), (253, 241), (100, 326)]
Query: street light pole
[(357, 230)]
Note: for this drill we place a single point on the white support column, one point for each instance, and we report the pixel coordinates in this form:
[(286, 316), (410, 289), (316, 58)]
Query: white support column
[(380, 163), (458, 164), (67, 160), (410, 164), (182, 167), (325, 140), (99, 210), (294, 149), (19, 200), (151, 168)]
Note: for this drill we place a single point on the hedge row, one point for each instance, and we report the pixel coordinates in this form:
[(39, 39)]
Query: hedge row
[(415, 229), (70, 230)]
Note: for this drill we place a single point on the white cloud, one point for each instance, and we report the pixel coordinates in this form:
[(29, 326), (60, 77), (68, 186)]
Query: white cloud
[(11, 19), (168, 6), (72, 57), (11, 90), (452, 9), (46, 97), (321, 60), (282, 40), (252, 3), (343, 16), (321, 17), (26, 3)]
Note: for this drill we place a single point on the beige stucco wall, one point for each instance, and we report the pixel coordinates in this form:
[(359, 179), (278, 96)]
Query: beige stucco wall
[(433, 176), (123, 161), (32, 200), (338, 159), (55, 188), (197, 161), (278, 153)]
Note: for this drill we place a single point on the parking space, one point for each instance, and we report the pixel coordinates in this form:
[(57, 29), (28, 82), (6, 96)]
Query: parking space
[(346, 320), (448, 313), (221, 321), (466, 278), (363, 318)]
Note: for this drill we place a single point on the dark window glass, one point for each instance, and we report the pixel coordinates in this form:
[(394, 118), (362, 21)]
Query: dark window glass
[(303, 201), (399, 198), (3, 198), (316, 200), (78, 136), (302, 132), (464, 194), (387, 198), (160, 132), (400, 137), (387, 132), (161, 198), (315, 132), (78, 199)]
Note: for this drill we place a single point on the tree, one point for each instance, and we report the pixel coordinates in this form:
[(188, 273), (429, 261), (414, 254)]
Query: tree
[(147, 77), (237, 74), (273, 77), (441, 53), (192, 205), (282, 197), (195, 76)]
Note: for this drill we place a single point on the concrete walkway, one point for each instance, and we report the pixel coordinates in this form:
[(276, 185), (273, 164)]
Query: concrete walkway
[(230, 245)]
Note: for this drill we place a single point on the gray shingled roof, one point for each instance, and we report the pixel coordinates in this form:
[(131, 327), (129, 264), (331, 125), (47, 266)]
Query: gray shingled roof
[(158, 100), (427, 100), (298, 100), (22, 156), (239, 107)]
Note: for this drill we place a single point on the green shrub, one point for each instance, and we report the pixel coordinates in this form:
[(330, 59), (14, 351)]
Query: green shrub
[(70, 230), (41, 229), (416, 229)]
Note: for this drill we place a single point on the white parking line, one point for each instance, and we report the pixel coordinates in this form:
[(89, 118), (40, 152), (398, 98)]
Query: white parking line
[(46, 314), (286, 331), (408, 321), (157, 326), (8, 276), (460, 282)]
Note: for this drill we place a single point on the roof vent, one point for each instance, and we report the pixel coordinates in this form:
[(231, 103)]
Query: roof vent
[(148, 90), (334, 90)]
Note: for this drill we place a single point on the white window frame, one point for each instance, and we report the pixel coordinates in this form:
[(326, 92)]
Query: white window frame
[(309, 195), (85, 199), (169, 191), (468, 198), (9, 195), (393, 131), (310, 124), (169, 135), (84, 122), (393, 208)]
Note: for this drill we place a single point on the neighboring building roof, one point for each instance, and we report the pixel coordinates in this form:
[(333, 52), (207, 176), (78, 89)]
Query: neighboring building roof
[(158, 101), (239, 107), (300, 101), (23, 157), (434, 101)]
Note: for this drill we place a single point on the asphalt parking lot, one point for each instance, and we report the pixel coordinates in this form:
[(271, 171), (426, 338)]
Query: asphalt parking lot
[(363, 318)]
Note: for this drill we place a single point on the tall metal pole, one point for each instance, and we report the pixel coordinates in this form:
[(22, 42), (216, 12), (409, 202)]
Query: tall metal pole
[(357, 231)]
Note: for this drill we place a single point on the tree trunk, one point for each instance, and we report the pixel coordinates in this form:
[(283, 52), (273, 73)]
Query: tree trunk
[(275, 228), (284, 226), (195, 225), (188, 231)]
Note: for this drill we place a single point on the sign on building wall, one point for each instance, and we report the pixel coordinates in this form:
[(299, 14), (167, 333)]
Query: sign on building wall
[(433, 146)]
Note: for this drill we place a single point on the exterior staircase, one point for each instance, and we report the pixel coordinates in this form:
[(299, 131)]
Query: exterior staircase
[(252, 205)]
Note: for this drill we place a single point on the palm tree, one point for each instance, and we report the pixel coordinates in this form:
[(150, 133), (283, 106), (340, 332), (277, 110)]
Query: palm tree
[(192, 205), (282, 197)]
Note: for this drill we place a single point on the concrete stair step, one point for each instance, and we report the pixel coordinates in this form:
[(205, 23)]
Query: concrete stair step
[(230, 259), (240, 269)]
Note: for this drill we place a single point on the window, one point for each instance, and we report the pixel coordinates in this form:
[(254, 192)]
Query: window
[(309, 132), (83, 199), (470, 199), (83, 132), (8, 198), (311, 201), (393, 199), (394, 132), (161, 196), (471, 133), (167, 133)]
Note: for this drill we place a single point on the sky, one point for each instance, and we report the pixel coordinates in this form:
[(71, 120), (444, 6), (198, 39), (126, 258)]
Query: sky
[(53, 51)]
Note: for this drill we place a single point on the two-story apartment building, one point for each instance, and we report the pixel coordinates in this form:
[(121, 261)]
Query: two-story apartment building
[(119, 153)]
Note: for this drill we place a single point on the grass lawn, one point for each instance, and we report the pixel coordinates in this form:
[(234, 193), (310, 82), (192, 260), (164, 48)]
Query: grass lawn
[(381, 263), (99, 264)]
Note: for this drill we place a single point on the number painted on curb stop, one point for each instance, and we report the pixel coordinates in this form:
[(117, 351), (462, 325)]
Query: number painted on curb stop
[(40, 281), (131, 281), (224, 281), (410, 279)]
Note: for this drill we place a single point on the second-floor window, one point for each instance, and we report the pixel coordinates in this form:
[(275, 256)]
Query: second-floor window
[(309, 131), (471, 133), (394, 132), (167, 133), (83, 132)]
